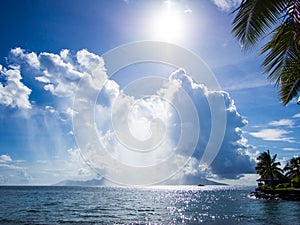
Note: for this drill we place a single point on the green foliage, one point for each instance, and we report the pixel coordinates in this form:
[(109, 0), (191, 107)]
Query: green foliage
[(267, 166), (292, 168), (254, 20), (283, 185), (265, 187), (282, 62), (295, 182)]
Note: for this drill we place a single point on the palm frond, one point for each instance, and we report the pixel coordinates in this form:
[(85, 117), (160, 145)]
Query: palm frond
[(282, 62), (289, 91), (280, 49), (255, 18), (293, 168), (274, 158), (267, 165)]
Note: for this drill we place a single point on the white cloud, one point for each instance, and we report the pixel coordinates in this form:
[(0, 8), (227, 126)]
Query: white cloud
[(70, 112), (290, 149), (89, 61), (133, 123), (234, 157), (68, 169), (64, 54), (296, 115), (10, 166), (51, 109), (109, 93), (60, 73), (282, 122), (11, 172), (273, 135), (245, 180), (139, 119), (5, 158), (19, 56), (77, 167), (43, 79), (53, 65), (227, 5), (60, 76), (13, 92), (73, 167)]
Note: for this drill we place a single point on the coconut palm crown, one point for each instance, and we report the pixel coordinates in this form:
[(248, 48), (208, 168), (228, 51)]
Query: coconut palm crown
[(267, 166), (293, 168), (254, 20)]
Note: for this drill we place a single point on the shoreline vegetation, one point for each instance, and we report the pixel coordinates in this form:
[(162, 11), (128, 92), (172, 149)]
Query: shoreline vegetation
[(277, 194), (276, 183)]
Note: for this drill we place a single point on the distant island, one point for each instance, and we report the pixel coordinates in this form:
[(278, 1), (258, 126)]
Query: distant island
[(103, 181), (93, 182), (276, 183)]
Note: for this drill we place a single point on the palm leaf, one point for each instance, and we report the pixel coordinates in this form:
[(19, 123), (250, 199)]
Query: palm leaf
[(280, 49), (267, 165), (289, 91), (283, 57), (293, 168), (274, 157), (255, 18)]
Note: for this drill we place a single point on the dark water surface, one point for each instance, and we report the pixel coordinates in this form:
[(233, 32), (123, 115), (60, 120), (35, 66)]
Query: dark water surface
[(141, 205)]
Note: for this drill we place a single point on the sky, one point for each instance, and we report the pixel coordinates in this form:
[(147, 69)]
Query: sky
[(134, 92)]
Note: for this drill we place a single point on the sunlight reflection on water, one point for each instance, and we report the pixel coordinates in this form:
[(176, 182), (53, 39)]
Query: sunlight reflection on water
[(141, 205)]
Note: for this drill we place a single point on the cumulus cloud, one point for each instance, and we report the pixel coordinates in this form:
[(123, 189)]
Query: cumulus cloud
[(227, 5), (233, 159), (18, 55), (155, 118), (134, 127), (273, 135), (59, 73), (13, 92)]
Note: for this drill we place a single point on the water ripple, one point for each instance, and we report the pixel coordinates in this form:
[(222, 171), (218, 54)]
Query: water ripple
[(141, 205)]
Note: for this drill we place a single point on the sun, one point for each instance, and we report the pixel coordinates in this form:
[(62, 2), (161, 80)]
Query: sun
[(168, 25)]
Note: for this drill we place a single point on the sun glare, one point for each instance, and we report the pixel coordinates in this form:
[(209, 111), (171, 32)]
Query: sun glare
[(168, 25)]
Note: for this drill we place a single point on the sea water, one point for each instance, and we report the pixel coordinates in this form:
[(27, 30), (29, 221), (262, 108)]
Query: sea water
[(141, 205)]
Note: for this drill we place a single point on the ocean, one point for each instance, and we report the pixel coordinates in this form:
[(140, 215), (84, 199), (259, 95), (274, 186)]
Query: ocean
[(142, 205)]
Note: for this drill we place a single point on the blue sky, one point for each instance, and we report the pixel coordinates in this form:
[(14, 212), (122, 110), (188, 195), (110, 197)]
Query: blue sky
[(47, 47)]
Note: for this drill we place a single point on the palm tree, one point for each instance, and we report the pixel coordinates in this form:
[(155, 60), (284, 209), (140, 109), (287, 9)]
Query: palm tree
[(293, 168), (267, 167), (254, 20)]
